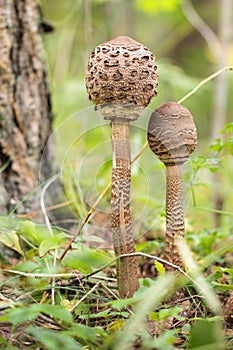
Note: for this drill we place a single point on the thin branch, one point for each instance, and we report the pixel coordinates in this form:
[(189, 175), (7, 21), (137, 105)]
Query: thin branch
[(81, 277), (43, 275), (165, 262), (144, 147), (206, 32), (85, 296), (53, 207), (206, 80), (162, 261)]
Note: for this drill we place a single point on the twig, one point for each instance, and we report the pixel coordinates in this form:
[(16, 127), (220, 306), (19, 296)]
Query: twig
[(144, 147), (116, 297), (85, 296), (43, 275), (175, 267), (52, 207), (203, 82), (3, 298), (81, 276)]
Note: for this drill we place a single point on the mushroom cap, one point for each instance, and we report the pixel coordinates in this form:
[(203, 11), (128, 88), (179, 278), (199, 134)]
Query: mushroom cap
[(172, 134), (121, 78)]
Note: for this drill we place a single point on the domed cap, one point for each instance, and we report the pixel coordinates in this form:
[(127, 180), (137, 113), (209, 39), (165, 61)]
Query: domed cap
[(172, 133), (121, 73)]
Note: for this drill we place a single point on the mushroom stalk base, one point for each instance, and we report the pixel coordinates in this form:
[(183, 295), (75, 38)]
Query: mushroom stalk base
[(174, 213), (123, 240)]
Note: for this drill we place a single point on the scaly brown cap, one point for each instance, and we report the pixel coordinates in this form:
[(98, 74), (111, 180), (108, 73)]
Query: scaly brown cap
[(121, 73), (172, 134)]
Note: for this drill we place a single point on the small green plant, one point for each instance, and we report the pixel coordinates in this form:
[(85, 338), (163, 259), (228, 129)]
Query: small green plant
[(73, 303)]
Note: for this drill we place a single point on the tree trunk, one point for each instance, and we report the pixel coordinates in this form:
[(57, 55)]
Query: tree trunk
[(25, 109), (221, 94)]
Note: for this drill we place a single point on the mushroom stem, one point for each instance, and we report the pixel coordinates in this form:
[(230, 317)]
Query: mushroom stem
[(175, 226), (127, 269), (121, 80), (172, 136)]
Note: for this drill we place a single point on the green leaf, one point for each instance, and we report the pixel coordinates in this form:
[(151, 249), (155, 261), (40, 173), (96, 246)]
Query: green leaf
[(92, 334), (227, 128), (160, 268), (222, 286), (19, 315), (29, 230), (58, 312), (225, 270), (11, 240), (165, 341), (164, 313), (121, 303), (54, 340), (104, 314), (206, 335), (51, 242), (36, 233), (30, 312), (86, 260)]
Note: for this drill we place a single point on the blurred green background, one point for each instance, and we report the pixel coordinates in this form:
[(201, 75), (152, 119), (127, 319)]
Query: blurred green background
[(184, 57)]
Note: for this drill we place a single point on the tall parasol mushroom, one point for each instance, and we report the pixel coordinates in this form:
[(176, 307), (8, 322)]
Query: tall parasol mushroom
[(172, 137), (121, 79)]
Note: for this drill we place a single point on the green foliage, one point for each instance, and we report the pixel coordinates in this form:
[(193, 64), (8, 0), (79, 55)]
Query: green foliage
[(30, 312), (54, 340), (226, 142), (207, 335), (122, 326), (10, 239), (151, 7), (86, 312), (86, 260), (164, 313)]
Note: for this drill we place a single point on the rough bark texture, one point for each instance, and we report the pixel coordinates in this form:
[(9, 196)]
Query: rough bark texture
[(25, 109), (123, 239)]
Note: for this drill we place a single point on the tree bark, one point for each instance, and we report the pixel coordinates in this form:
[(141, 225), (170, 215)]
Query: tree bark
[(25, 108), (221, 94)]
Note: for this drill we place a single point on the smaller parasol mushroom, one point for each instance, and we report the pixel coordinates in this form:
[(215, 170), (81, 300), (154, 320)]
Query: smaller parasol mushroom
[(121, 79), (172, 137)]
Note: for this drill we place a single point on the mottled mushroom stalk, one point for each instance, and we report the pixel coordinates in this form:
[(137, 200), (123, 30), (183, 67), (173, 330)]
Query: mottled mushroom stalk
[(172, 137), (121, 79)]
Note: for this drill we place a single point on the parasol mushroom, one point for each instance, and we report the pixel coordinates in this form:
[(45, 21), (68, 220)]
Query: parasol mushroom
[(172, 137), (121, 79)]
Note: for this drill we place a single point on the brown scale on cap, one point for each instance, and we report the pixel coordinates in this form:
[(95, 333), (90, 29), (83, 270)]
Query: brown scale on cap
[(121, 73), (172, 137)]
